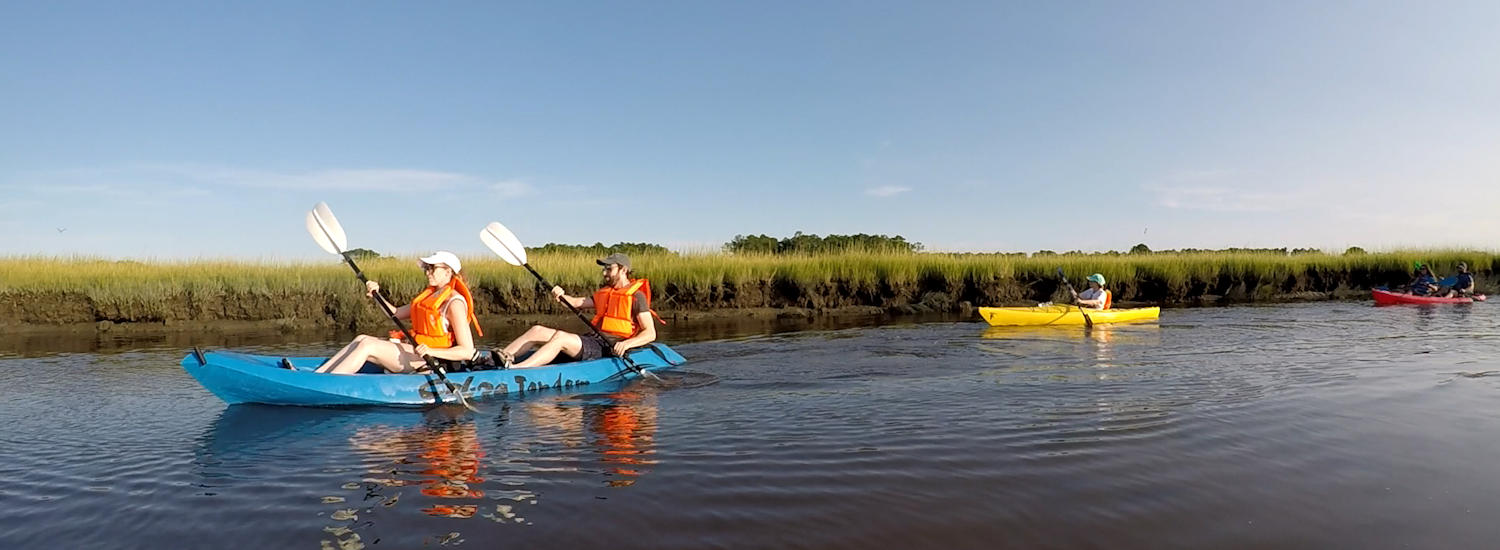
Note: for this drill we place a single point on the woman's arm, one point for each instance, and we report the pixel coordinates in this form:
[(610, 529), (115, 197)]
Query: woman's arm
[(372, 289)]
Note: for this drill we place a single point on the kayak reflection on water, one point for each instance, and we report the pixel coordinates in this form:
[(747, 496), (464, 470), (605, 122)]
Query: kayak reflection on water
[(1100, 345), (445, 464), (379, 467), (1127, 333), (620, 426)]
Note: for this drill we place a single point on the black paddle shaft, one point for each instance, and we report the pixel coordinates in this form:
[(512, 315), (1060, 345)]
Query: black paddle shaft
[(600, 335), (381, 301)]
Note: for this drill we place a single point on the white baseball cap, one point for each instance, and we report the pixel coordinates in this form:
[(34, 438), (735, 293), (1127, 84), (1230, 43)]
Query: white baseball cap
[(443, 257)]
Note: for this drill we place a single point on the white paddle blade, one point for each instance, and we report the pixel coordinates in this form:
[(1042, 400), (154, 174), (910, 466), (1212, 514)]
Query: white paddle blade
[(503, 243), (325, 230)]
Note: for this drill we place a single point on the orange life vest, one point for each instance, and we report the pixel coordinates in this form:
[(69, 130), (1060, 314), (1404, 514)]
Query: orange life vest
[(1109, 299), (427, 315), (612, 308)]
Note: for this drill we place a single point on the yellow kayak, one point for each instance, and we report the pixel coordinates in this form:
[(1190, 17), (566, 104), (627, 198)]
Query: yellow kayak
[(1061, 315)]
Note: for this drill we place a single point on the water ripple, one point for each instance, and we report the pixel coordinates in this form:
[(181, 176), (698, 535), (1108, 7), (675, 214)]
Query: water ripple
[(1297, 426)]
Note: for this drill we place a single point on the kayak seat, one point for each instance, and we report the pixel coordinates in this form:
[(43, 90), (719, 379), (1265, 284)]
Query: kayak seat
[(483, 360)]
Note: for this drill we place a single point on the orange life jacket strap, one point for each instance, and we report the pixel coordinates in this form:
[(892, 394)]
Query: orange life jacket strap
[(646, 289), (463, 288)]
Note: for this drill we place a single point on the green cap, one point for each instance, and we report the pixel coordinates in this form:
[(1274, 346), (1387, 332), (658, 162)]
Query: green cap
[(1097, 278)]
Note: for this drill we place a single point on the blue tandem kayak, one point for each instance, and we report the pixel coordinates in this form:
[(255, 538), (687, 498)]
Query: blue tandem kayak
[(245, 378)]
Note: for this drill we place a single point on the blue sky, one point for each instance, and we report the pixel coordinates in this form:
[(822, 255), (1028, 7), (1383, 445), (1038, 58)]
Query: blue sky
[(194, 129)]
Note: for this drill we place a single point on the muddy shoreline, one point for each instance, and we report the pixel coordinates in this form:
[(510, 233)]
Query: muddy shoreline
[(681, 327), (506, 324), (342, 308), (491, 323)]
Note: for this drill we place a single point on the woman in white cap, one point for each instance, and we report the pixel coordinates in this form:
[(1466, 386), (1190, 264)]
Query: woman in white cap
[(440, 318), (1096, 296)]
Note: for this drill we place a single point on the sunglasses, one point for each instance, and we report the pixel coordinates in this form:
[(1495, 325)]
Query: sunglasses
[(430, 267)]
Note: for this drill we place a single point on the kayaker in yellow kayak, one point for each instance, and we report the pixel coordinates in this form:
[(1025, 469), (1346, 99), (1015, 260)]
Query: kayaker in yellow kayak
[(1096, 296), (440, 318), (623, 307)]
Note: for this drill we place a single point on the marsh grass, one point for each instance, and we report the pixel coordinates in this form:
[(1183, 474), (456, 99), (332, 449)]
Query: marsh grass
[(217, 289)]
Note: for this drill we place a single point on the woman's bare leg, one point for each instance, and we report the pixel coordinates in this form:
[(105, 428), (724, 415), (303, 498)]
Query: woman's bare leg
[(342, 355), (389, 355)]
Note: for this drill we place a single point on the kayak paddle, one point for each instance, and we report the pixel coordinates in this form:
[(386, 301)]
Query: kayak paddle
[(329, 235), (1087, 322), (505, 245)]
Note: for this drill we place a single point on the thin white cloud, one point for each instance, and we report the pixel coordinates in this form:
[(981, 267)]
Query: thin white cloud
[(1197, 176), (393, 181), (1225, 191), (354, 180), (201, 179), (1364, 206), (886, 191), (20, 205), (512, 189), (82, 189), (1223, 199)]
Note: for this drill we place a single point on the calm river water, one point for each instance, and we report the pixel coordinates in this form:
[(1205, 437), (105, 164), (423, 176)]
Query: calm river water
[(1330, 425)]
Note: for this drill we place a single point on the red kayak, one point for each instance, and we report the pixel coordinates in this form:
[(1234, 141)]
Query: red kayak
[(1388, 298)]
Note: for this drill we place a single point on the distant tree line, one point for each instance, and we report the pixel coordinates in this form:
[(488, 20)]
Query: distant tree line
[(1283, 251), (364, 254), (599, 249), (801, 243)]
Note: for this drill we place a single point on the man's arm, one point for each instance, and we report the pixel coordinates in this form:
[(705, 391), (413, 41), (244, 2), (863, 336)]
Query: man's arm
[(584, 302), (647, 334)]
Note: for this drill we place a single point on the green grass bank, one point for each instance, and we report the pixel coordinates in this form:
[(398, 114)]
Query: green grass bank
[(60, 291)]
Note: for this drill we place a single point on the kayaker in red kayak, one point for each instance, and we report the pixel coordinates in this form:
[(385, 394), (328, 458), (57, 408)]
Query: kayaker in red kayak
[(1463, 284), (623, 307), (1096, 296), (440, 319), (1425, 283)]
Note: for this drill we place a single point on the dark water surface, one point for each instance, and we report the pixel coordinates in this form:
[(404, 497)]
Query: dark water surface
[(1298, 426)]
